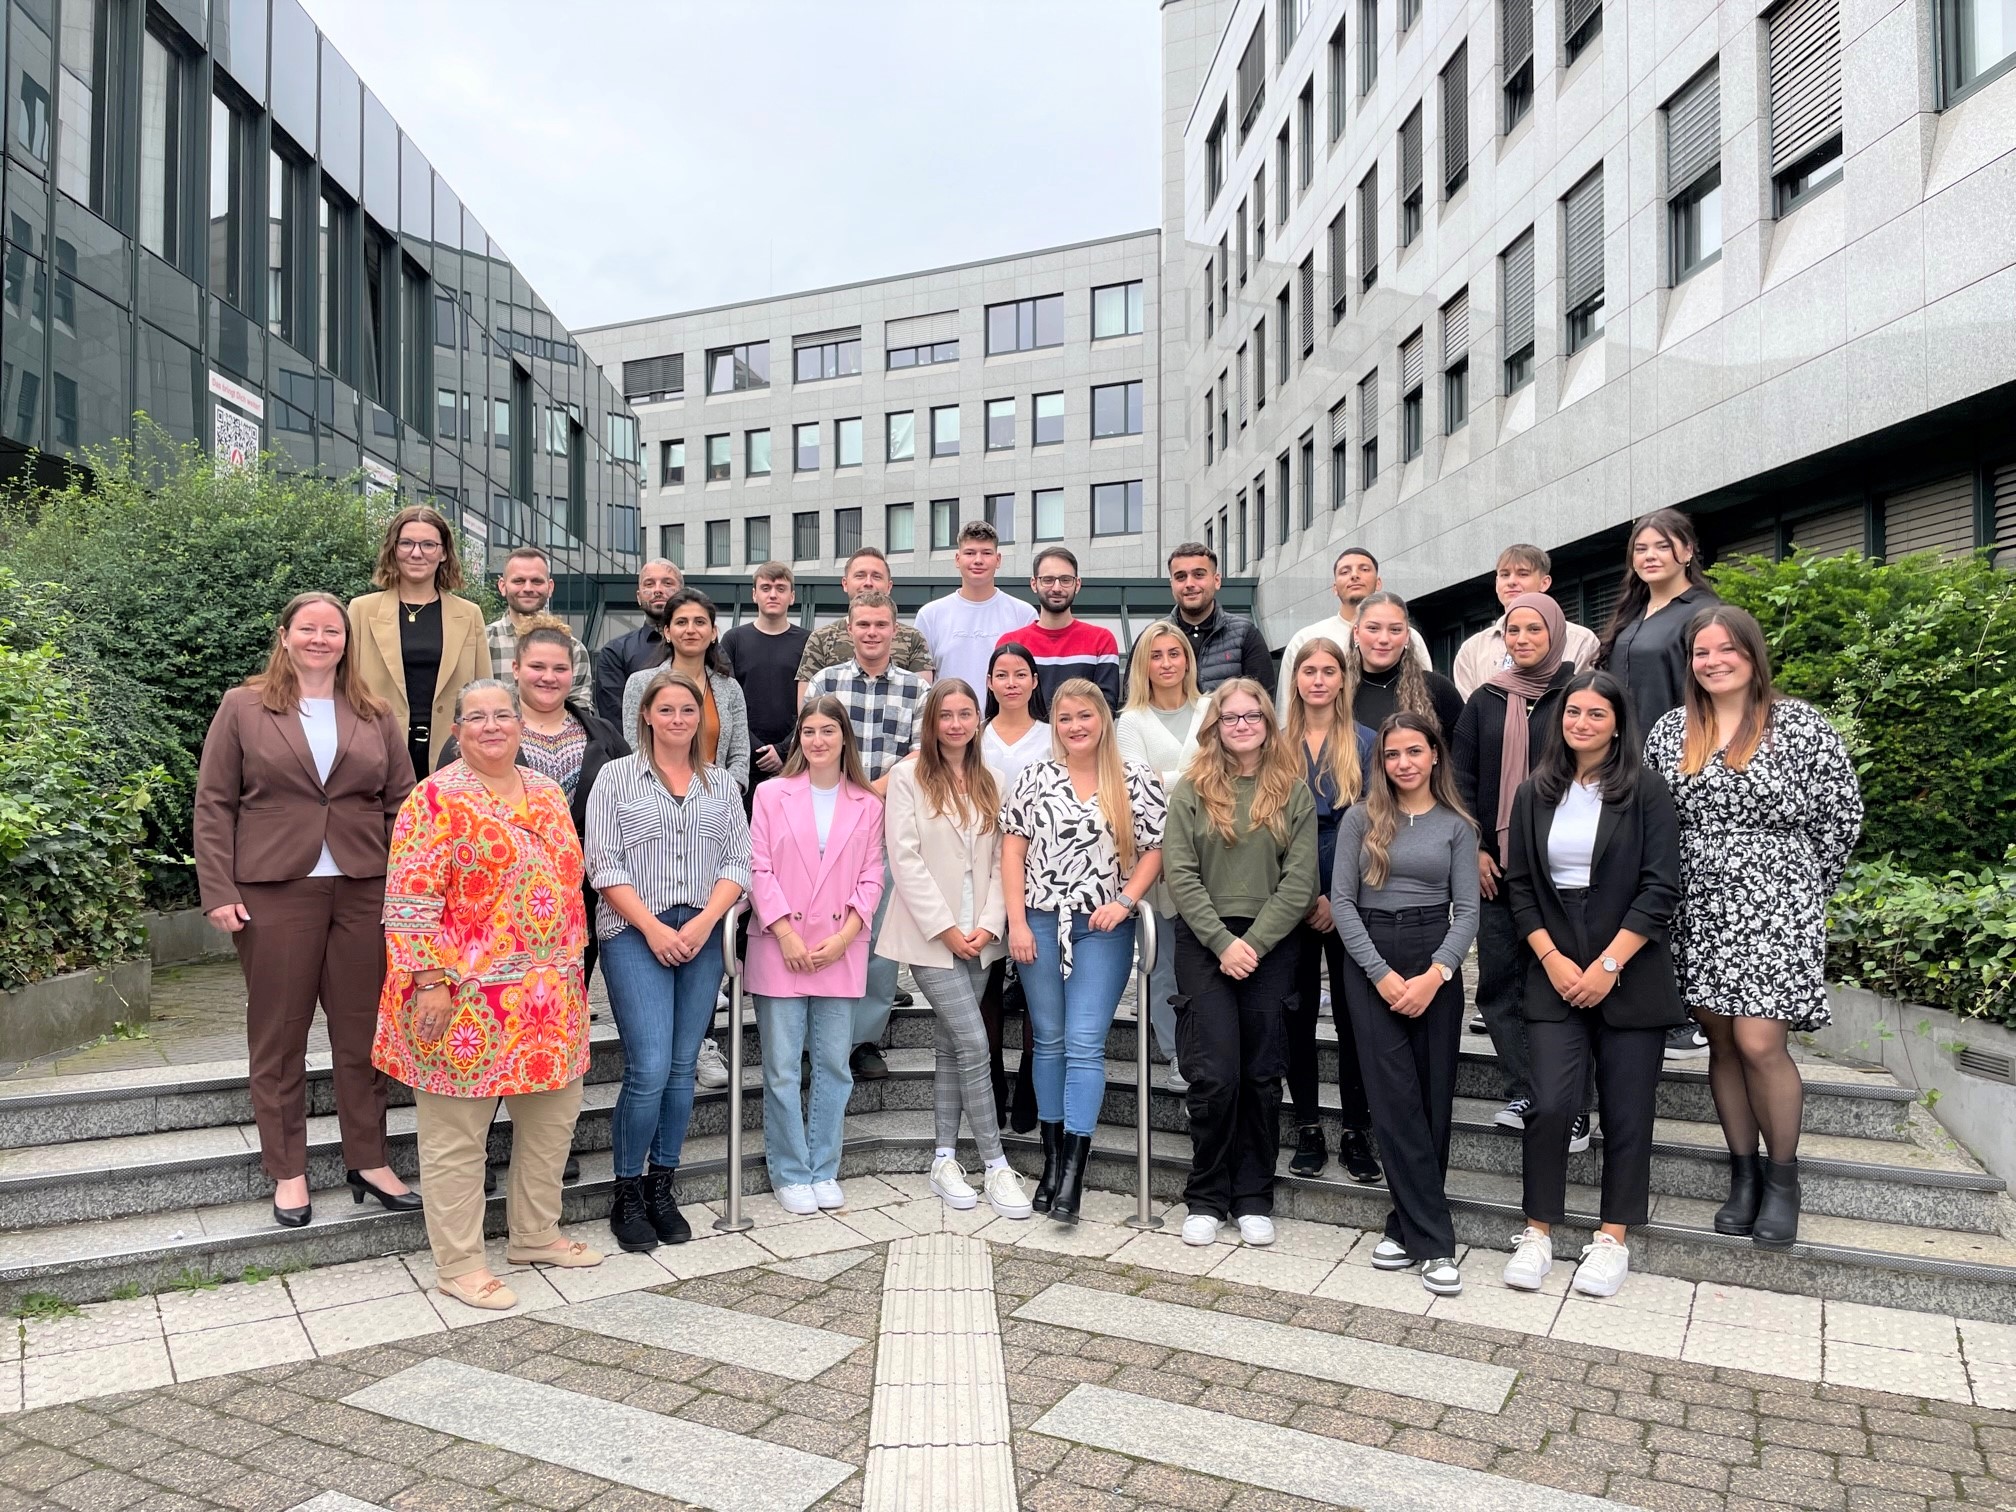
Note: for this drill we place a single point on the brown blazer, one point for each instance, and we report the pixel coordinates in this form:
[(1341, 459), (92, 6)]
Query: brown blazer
[(261, 813), (465, 656)]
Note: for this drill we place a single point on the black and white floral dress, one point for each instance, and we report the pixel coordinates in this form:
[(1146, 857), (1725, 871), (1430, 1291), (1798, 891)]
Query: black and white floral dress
[(1073, 865), (1761, 853)]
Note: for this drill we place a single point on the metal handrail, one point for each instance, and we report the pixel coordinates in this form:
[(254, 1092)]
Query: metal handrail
[(1146, 944), (731, 1220)]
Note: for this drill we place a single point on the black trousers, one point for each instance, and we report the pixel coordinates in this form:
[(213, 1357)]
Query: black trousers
[(1410, 1077), (1314, 950), (1627, 1064), (1501, 996), (1232, 1042)]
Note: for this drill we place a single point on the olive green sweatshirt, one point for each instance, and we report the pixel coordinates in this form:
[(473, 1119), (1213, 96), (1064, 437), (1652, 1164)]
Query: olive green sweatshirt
[(1254, 878)]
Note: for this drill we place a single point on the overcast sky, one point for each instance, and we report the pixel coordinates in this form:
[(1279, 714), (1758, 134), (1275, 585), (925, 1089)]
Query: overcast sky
[(636, 157)]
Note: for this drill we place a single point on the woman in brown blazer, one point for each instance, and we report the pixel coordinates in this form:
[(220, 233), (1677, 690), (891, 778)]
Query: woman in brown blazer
[(302, 775), (417, 643)]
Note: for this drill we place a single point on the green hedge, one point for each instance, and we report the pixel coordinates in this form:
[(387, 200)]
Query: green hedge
[(1945, 941)]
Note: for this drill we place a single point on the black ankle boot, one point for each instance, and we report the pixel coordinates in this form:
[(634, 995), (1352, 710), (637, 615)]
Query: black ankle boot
[(1076, 1155), (629, 1219), (1777, 1224), (1046, 1184), (1746, 1187), (661, 1207)]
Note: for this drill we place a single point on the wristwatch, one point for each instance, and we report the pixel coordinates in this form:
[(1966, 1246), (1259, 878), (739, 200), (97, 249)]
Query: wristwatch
[(1131, 904), (1610, 965), (1447, 974)]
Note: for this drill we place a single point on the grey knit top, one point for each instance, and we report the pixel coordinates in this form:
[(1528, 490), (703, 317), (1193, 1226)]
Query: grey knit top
[(1432, 863)]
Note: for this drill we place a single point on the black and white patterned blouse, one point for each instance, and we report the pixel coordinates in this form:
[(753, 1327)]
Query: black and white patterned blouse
[(671, 850), (1761, 853), (1073, 865)]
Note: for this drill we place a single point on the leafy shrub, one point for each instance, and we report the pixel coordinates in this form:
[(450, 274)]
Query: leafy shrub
[(1945, 941), (71, 823)]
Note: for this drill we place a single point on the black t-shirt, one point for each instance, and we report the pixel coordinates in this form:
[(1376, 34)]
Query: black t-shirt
[(1378, 698), (420, 657), (767, 668)]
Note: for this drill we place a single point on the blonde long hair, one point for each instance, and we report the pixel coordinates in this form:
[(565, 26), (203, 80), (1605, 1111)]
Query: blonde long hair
[(981, 798), (1140, 688), (1114, 805), (1383, 809), (1214, 769), (1339, 756), (647, 741), (1411, 691)]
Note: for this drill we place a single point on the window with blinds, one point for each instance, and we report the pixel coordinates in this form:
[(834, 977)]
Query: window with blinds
[(1368, 45), (1340, 262), (1936, 517), (1804, 44), (1305, 294), (1410, 178), (1411, 401), (1456, 120), (1582, 260), (655, 377), (1515, 302), (1410, 363), (1340, 457), (1252, 78), (1833, 533), (1260, 214), (1515, 58), (1762, 543), (2005, 516), (1368, 228), (1581, 25), (1368, 429), (1694, 173), (1456, 363)]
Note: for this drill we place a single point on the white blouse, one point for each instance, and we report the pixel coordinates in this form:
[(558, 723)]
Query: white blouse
[(1009, 760), (1571, 843)]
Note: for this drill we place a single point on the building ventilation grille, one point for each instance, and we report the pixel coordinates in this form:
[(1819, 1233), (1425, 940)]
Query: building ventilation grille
[(1989, 1065)]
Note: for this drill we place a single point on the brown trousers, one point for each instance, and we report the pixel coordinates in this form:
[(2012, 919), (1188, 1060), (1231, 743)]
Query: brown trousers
[(315, 938), (454, 1134)]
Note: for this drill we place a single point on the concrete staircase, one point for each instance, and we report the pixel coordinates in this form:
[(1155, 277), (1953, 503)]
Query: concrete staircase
[(149, 1177)]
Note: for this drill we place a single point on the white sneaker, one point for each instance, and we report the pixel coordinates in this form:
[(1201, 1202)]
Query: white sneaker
[(1580, 1132), (1605, 1263), (1513, 1114), (828, 1194), (949, 1182), (1256, 1228), (796, 1199), (1005, 1194), (710, 1070), (1176, 1080), (1200, 1229), (1532, 1258), (1442, 1277), (1390, 1255)]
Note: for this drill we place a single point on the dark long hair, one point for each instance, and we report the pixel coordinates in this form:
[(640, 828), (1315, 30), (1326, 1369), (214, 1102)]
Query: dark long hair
[(1617, 776), (1039, 710), (1633, 595), (714, 660), (1702, 737)]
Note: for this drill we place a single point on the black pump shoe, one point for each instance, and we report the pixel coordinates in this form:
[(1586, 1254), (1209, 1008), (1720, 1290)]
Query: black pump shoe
[(1354, 1149), (1077, 1154), (392, 1202), (293, 1217), (1738, 1215), (1777, 1223), (662, 1207), (1046, 1184)]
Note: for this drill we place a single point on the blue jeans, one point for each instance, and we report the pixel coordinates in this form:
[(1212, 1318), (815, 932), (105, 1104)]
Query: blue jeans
[(871, 1009), (800, 1145), (1162, 986), (1068, 1020), (662, 1014)]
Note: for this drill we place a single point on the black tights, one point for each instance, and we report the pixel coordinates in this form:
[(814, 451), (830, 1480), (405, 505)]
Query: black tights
[(1756, 1086)]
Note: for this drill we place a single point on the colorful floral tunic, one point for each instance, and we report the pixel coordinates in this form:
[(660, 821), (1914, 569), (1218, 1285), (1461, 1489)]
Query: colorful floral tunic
[(492, 895)]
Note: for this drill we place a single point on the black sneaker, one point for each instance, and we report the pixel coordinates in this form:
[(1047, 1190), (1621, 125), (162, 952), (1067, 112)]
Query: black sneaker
[(1685, 1041), (901, 1000), (1513, 1114), (572, 1170), (1310, 1154), (1354, 1151), (867, 1064), (1579, 1133), (630, 1219)]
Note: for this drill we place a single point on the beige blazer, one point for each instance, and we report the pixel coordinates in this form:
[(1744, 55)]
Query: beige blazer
[(465, 656), (929, 856)]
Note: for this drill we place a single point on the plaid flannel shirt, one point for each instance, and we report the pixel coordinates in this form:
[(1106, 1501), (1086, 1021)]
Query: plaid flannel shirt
[(883, 710)]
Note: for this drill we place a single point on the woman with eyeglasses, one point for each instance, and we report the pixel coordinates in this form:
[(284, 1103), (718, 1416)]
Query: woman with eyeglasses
[(1239, 856), (418, 643)]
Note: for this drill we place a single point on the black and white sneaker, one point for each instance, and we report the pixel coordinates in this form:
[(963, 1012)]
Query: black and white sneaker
[(1513, 1114), (1685, 1041), (1579, 1133), (1442, 1277), (1391, 1255)]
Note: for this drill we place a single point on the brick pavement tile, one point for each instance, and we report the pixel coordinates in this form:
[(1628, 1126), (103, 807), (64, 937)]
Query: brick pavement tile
[(1786, 1400), (1916, 1480), (1598, 1454), (1955, 1457), (1917, 1425), (475, 1464), (1253, 1499), (661, 1396), (1614, 1429), (39, 1467), (1443, 1450), (1342, 1425), (1690, 1470), (1161, 1486), (1651, 1409), (730, 1413), (1511, 1431), (1056, 1496), (1662, 1496), (99, 1491), (1709, 1393), (1367, 1402), (1730, 1421), (1070, 1368), (123, 1448), (552, 1488), (1559, 1474), (1256, 1405), (1156, 1383), (169, 1501), (1300, 1388), (1774, 1460), (1786, 1490), (1868, 1499), (254, 1491), (841, 1441), (191, 1470), (1715, 1446), (1036, 1390), (444, 1496), (60, 1426), (1094, 1467)]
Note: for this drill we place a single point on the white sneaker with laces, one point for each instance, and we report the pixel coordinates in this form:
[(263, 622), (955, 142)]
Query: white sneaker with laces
[(1605, 1263), (1005, 1193), (1391, 1255), (1532, 1258), (1176, 1081), (1442, 1277), (1581, 1132), (796, 1199), (828, 1194), (1200, 1229), (949, 1181), (1513, 1114), (1256, 1228), (710, 1070)]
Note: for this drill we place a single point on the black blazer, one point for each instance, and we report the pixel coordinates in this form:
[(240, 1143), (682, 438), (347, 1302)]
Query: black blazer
[(1477, 746), (1634, 884)]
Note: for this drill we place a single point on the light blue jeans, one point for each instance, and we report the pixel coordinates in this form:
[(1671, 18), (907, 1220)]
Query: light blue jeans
[(1162, 986), (1069, 1019), (872, 1008), (662, 1014), (802, 1145)]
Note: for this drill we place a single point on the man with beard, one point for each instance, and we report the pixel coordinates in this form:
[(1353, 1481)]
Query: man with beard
[(1226, 645), (867, 571), (1064, 645), (1354, 577), (527, 586), (644, 647)]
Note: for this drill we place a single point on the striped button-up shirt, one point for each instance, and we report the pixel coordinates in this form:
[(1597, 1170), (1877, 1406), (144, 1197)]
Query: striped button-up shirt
[(670, 850), (883, 709), (502, 637)]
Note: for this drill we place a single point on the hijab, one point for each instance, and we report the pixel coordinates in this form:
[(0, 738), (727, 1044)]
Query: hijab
[(1522, 684)]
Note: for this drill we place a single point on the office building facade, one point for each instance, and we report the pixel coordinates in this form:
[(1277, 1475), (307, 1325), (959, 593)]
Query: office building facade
[(211, 219), (1458, 273)]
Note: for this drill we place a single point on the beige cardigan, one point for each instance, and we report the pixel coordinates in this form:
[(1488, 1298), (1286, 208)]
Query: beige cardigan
[(929, 856), (465, 656)]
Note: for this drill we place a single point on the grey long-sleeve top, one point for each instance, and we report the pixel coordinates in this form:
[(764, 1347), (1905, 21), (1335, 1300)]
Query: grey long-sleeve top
[(1431, 863)]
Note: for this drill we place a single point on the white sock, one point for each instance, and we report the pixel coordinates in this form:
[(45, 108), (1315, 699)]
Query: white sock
[(944, 1154), (998, 1163)]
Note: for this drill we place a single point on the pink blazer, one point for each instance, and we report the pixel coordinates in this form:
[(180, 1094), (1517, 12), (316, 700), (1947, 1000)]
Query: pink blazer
[(790, 878)]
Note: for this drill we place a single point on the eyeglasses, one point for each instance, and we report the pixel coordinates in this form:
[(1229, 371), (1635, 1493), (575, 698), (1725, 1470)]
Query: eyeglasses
[(1233, 721), (1055, 582), (479, 721), (419, 548)]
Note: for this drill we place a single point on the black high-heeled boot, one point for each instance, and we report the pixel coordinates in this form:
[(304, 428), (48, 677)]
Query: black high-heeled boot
[(1746, 1189), (1046, 1184), (1077, 1155), (1777, 1224)]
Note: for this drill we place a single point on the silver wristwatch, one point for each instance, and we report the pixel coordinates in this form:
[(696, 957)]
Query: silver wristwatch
[(1610, 965)]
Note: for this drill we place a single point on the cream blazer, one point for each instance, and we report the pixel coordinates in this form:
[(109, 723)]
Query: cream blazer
[(929, 856), (465, 656)]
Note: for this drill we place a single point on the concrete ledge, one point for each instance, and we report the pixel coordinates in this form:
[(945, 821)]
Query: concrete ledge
[(184, 936), (59, 1012)]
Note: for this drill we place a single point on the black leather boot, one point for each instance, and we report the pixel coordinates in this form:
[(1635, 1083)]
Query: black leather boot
[(1077, 1154), (662, 1207), (1046, 1184), (629, 1220), (1777, 1224), (1746, 1187)]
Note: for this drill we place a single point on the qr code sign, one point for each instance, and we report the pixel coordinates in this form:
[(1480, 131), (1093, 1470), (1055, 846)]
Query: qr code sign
[(237, 439)]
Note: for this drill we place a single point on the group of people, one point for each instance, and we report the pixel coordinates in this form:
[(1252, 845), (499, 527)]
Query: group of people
[(437, 847)]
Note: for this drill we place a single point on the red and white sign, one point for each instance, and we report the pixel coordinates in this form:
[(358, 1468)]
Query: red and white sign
[(239, 395)]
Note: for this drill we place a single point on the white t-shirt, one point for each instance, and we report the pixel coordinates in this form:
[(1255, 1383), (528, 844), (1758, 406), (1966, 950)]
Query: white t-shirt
[(318, 723), (824, 801), (962, 634), (1571, 843), (1008, 760)]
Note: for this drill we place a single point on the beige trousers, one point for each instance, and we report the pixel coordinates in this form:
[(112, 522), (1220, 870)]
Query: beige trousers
[(454, 1132)]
